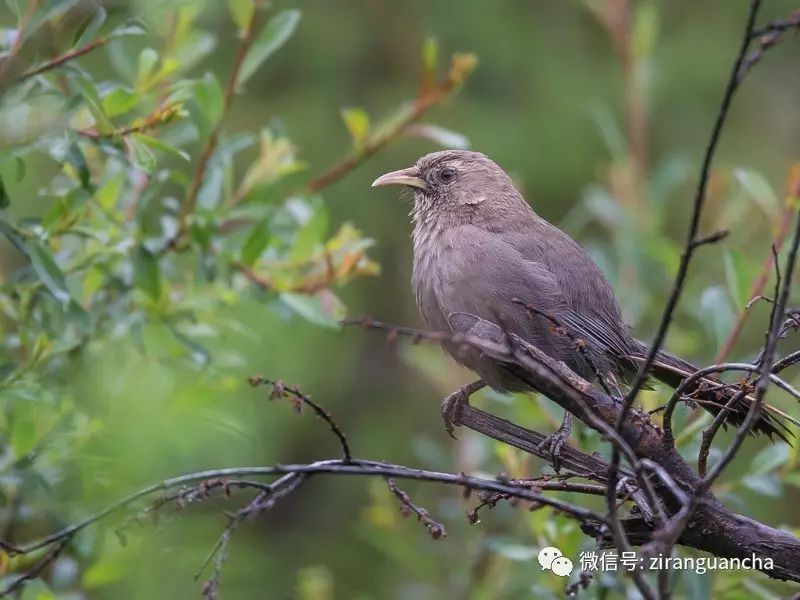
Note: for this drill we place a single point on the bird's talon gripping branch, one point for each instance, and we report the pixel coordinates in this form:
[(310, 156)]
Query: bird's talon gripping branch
[(554, 442), (452, 405)]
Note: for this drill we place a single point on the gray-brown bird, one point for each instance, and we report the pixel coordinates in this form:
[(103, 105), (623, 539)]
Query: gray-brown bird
[(484, 259)]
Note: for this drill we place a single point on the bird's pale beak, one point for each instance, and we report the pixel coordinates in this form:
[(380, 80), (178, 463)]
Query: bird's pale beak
[(409, 176)]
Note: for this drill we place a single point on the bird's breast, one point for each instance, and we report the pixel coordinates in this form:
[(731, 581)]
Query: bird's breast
[(427, 274)]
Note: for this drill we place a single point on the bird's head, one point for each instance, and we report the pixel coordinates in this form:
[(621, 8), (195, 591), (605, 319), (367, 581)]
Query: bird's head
[(455, 183)]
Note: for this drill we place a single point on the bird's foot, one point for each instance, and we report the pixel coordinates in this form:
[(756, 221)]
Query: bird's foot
[(454, 403), (554, 443)]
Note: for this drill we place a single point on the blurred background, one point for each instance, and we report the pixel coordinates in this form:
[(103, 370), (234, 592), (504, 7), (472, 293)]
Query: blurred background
[(131, 324)]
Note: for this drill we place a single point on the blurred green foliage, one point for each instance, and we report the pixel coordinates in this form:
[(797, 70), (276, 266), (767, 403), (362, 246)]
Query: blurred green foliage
[(165, 236)]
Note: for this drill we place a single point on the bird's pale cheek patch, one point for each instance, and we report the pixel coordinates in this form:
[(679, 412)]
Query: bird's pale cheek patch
[(473, 200)]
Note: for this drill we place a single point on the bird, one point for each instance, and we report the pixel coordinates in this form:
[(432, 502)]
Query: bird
[(485, 264)]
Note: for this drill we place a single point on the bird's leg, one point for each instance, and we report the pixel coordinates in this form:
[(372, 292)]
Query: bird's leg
[(556, 440), (452, 405)]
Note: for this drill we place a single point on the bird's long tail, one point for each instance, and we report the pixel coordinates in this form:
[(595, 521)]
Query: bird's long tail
[(713, 394)]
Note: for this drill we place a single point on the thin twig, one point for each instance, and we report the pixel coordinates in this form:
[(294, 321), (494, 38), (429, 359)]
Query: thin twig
[(63, 59), (435, 529), (189, 201), (711, 431), (40, 566), (279, 389), (680, 279), (460, 68)]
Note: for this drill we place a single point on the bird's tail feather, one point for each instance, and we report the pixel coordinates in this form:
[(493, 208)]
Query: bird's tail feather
[(713, 395)]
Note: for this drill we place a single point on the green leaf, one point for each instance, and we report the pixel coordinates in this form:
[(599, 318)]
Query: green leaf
[(48, 271), (274, 35), (312, 234), (119, 101), (241, 12), (87, 31), (209, 97), (759, 189), (439, 135), (256, 242), (77, 161), (92, 100), (134, 27), (146, 272), (148, 58), (157, 144), (645, 29), (141, 156), (357, 122), (108, 195), (766, 485), (718, 315), (4, 199), (738, 277), (770, 458), (48, 12), (430, 55), (323, 308)]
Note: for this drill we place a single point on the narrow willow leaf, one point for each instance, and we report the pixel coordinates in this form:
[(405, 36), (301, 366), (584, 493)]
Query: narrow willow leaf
[(87, 31), (209, 97), (256, 242), (357, 122), (430, 54), (77, 161), (439, 135), (312, 234), (759, 189), (274, 35), (320, 309), (119, 101), (738, 277), (770, 458), (717, 312), (134, 27), (645, 29), (241, 12), (108, 195), (141, 156), (157, 144), (148, 58), (146, 272), (91, 98), (48, 271)]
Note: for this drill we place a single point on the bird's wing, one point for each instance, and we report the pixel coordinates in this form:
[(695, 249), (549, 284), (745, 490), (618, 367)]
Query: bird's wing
[(592, 312), (492, 280)]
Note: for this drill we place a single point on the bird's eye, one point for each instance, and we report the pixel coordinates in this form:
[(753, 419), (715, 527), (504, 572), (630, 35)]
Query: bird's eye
[(447, 174)]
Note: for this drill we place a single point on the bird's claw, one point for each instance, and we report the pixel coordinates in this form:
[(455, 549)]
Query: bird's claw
[(553, 445), (451, 409)]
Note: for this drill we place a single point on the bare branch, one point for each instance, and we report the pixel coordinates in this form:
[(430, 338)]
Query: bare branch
[(435, 529), (460, 68), (279, 389)]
